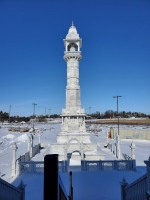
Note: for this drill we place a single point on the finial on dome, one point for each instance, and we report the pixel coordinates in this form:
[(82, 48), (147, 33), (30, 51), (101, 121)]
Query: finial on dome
[(72, 23)]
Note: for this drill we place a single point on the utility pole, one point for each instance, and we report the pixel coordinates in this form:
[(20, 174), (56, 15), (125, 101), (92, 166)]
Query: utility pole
[(45, 111), (117, 110), (49, 112), (34, 104), (89, 114), (9, 113)]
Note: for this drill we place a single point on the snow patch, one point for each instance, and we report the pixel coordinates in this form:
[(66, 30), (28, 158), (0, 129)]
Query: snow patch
[(9, 136), (22, 138)]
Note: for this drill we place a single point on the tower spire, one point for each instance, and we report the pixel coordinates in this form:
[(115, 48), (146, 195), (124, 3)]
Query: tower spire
[(72, 23)]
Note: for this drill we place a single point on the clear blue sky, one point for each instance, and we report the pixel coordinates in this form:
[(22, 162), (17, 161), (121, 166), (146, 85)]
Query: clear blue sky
[(116, 54)]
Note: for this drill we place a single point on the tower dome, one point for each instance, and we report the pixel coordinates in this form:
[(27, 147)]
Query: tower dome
[(72, 33)]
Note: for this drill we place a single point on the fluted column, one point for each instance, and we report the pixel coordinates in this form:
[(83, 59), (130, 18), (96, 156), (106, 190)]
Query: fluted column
[(14, 148)]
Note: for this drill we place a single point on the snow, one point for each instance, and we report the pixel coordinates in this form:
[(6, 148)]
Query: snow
[(9, 136), (87, 184), (22, 138)]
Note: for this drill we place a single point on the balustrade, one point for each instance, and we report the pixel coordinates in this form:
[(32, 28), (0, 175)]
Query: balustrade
[(107, 165), (38, 167), (10, 192)]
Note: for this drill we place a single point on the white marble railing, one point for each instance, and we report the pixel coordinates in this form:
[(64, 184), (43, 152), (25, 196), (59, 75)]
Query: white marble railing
[(8, 191), (35, 149), (106, 165), (136, 190), (126, 157), (25, 157), (37, 167)]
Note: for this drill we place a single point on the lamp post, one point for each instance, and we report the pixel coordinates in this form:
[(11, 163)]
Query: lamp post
[(34, 104), (117, 110)]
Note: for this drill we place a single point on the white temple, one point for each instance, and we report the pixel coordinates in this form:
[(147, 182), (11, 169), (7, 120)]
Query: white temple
[(73, 136)]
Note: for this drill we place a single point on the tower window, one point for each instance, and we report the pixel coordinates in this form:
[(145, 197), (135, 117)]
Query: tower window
[(72, 47)]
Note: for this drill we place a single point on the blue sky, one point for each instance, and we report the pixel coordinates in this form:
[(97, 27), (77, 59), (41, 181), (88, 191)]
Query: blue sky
[(116, 54)]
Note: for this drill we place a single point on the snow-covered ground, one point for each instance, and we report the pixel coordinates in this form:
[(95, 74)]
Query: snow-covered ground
[(92, 185)]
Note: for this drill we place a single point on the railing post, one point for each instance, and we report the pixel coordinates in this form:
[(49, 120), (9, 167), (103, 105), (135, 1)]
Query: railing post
[(71, 188), (31, 149), (117, 146), (111, 148), (29, 144), (133, 156), (82, 150), (147, 162), (22, 186), (132, 150), (51, 190), (82, 165), (14, 148), (114, 149), (17, 166), (123, 184), (65, 157), (100, 165)]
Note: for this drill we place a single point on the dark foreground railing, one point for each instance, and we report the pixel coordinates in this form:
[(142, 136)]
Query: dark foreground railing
[(10, 192), (53, 185), (139, 189)]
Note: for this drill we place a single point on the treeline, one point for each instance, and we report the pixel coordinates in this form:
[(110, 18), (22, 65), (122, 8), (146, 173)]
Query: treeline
[(4, 117), (122, 114), (97, 115)]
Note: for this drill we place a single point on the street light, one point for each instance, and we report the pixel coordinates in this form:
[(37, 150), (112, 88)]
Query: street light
[(34, 104), (117, 110)]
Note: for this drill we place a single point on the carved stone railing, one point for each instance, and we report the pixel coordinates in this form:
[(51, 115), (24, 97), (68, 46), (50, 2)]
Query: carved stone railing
[(8, 191), (25, 157), (35, 149), (37, 167), (126, 157), (106, 165)]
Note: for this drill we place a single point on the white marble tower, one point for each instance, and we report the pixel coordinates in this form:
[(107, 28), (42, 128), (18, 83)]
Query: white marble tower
[(73, 137), (73, 117)]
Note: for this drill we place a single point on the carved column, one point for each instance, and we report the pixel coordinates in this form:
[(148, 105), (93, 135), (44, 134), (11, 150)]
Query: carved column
[(14, 148), (133, 150), (29, 144), (106, 138), (65, 151), (39, 133), (31, 149), (133, 155), (117, 146), (65, 157), (17, 167), (82, 150)]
